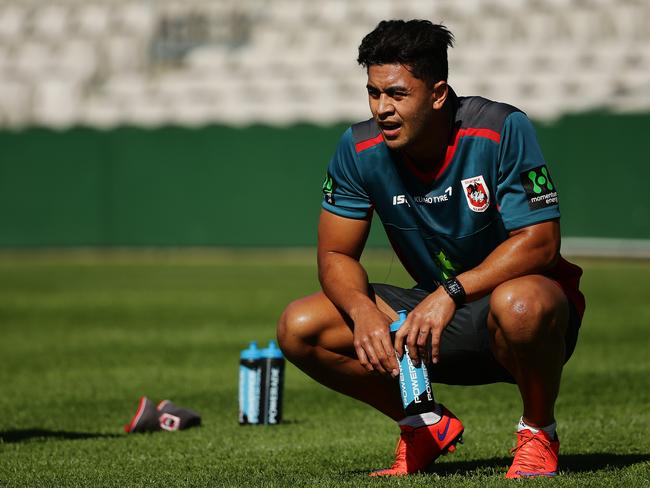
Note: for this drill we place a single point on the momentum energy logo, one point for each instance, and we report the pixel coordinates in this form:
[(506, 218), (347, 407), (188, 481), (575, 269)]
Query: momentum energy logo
[(539, 187), (329, 185)]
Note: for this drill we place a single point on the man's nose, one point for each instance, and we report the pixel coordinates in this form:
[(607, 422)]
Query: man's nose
[(385, 106)]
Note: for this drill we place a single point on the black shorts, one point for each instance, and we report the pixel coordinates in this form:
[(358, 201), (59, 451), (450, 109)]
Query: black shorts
[(465, 354)]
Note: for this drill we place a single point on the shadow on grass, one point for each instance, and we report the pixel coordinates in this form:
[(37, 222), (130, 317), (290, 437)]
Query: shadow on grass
[(599, 460), (25, 435), (570, 463)]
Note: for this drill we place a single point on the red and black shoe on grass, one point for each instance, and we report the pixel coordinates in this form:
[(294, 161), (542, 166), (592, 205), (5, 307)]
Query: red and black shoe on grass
[(176, 418), (535, 455), (419, 447), (145, 418)]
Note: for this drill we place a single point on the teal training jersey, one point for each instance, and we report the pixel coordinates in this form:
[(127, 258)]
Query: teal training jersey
[(493, 180)]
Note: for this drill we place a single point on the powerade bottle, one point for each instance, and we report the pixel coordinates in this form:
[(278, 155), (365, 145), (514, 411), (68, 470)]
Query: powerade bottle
[(417, 396), (272, 385), (250, 376)]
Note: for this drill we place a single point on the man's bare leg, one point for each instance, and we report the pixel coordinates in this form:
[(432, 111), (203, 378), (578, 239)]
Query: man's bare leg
[(527, 321), (316, 337)]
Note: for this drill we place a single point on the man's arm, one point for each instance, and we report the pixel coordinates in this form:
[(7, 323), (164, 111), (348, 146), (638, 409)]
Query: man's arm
[(528, 250), (345, 282)]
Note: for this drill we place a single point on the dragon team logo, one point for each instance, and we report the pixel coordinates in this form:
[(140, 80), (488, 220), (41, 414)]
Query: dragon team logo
[(476, 193)]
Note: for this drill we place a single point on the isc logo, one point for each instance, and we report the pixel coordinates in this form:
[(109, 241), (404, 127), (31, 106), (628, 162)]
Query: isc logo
[(400, 199)]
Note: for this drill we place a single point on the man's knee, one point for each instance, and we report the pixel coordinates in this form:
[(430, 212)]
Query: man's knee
[(295, 329), (528, 309)]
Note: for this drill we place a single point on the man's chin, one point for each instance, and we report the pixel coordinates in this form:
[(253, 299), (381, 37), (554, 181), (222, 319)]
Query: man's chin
[(394, 144)]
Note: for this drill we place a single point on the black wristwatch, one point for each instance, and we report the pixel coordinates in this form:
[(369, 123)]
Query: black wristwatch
[(455, 290)]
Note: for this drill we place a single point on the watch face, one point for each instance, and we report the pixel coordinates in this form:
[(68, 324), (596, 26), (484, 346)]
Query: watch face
[(455, 290)]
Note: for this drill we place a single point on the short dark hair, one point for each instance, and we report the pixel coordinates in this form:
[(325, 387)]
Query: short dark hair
[(418, 44)]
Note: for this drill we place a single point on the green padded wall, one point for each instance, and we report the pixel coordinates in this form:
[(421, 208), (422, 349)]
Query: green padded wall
[(260, 186), (601, 164)]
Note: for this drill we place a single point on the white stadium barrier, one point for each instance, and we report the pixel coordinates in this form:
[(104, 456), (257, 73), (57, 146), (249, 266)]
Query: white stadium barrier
[(237, 62)]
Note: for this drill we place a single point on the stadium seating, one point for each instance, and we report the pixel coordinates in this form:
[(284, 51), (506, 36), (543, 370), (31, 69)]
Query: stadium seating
[(113, 62)]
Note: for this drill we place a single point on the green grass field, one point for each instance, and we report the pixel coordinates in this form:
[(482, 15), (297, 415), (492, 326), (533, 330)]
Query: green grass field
[(84, 335)]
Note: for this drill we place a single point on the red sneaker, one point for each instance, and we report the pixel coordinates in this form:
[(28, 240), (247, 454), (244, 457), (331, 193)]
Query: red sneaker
[(419, 447), (535, 455)]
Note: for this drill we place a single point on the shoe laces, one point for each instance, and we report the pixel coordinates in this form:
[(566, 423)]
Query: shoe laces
[(530, 448)]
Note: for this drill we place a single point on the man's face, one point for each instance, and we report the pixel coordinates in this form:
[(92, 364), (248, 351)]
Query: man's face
[(401, 104)]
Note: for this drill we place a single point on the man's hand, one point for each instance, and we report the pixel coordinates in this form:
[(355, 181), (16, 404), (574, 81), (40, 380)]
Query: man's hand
[(345, 282), (373, 344), (424, 326)]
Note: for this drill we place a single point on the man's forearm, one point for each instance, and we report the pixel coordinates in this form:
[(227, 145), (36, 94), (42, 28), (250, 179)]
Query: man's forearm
[(345, 282), (524, 253)]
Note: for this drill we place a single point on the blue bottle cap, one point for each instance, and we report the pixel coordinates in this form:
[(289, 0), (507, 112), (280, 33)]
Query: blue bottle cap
[(272, 351), (252, 352), (394, 327)]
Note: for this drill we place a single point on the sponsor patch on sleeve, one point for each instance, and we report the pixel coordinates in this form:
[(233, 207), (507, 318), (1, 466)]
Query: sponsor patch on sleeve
[(329, 185), (539, 187)]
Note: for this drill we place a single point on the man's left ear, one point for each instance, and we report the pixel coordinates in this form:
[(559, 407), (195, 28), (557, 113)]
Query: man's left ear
[(440, 91)]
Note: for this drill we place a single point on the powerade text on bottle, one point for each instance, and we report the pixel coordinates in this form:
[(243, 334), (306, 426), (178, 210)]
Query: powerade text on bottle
[(250, 381), (417, 396), (272, 384)]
